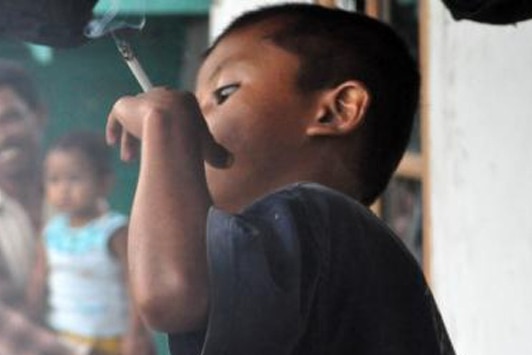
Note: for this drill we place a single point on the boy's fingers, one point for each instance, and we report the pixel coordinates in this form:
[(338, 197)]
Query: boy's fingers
[(186, 104), (119, 118), (128, 146), (113, 130)]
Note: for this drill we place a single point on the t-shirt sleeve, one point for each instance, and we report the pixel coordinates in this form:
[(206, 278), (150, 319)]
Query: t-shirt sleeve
[(255, 280)]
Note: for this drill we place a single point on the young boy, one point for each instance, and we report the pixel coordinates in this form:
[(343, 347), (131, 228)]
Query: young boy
[(300, 112)]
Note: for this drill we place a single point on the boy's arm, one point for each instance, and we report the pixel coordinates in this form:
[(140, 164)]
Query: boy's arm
[(167, 252), (137, 340)]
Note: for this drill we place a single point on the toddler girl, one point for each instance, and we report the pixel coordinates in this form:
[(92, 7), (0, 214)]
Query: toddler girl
[(85, 247)]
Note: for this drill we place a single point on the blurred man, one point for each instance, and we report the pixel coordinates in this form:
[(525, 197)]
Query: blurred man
[(21, 123), (22, 117)]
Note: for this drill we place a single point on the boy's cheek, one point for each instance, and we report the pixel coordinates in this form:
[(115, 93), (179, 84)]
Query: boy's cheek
[(228, 135)]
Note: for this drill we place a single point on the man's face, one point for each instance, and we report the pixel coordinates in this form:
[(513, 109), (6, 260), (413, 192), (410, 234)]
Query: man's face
[(20, 131), (247, 93)]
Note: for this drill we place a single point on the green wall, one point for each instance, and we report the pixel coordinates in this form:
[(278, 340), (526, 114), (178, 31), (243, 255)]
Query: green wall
[(153, 7), (80, 85)]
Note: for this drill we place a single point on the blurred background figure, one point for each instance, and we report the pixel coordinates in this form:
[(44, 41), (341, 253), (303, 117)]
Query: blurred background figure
[(85, 251), (22, 117), (21, 123)]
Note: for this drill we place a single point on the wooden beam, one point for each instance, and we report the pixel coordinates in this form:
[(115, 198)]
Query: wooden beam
[(376, 207), (326, 3), (424, 60), (411, 166), (373, 8)]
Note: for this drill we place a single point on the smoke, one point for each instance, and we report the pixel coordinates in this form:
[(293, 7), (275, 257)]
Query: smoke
[(55, 23), (116, 15), (117, 19)]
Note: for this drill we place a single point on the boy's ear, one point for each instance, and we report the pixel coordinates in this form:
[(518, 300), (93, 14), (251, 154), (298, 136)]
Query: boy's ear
[(342, 110)]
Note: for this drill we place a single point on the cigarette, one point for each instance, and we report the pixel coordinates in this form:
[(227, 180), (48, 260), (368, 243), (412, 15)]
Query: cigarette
[(131, 60)]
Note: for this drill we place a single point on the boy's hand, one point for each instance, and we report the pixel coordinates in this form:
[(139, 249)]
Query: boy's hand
[(166, 242), (128, 118)]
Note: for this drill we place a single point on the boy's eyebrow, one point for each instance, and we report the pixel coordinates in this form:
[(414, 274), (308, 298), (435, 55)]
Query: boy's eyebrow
[(215, 72), (224, 63), (218, 69)]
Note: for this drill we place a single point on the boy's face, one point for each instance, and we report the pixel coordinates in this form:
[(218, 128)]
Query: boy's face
[(247, 93)]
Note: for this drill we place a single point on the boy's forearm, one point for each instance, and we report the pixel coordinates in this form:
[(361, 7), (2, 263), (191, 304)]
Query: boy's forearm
[(167, 237), (138, 339)]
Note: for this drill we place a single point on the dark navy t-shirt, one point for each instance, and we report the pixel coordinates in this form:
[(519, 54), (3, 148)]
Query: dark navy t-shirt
[(309, 271)]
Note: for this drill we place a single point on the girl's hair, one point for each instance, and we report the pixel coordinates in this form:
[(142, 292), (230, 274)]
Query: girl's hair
[(92, 145)]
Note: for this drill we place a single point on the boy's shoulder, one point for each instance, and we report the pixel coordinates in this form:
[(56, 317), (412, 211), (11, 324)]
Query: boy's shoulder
[(316, 203), (310, 192), (285, 264), (330, 221), (317, 218), (304, 192)]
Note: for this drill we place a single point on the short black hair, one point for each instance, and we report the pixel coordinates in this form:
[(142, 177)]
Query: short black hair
[(18, 79), (334, 46), (92, 146)]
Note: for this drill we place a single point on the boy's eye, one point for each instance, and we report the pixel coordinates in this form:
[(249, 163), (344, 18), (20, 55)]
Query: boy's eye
[(221, 94)]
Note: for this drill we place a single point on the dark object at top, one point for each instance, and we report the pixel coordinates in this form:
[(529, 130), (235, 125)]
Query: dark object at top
[(496, 12), (56, 23)]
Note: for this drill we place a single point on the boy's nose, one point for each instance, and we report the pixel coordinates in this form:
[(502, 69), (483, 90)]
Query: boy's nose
[(205, 105)]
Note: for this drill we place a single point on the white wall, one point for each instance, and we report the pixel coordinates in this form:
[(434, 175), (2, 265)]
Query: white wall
[(223, 11), (480, 106)]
